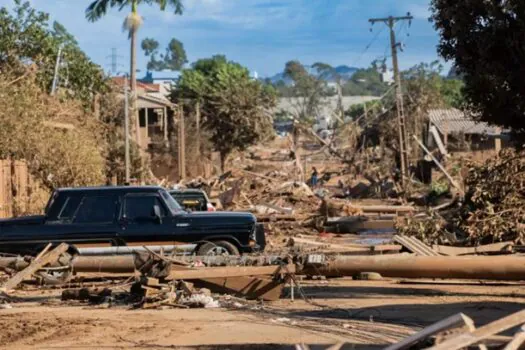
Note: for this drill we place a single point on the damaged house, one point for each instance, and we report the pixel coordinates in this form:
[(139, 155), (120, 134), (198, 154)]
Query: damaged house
[(452, 130)]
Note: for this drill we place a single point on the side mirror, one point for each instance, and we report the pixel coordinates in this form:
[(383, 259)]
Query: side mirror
[(157, 214)]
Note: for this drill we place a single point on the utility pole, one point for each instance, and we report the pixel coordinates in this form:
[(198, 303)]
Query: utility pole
[(126, 129), (55, 76), (182, 144), (402, 135)]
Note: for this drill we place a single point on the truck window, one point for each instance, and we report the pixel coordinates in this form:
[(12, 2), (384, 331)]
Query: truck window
[(139, 208), (68, 208), (96, 209)]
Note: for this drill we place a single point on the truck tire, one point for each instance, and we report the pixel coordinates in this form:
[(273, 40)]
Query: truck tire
[(218, 248)]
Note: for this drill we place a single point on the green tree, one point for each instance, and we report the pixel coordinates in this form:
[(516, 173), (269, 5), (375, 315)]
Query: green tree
[(98, 9), (308, 90), (174, 59), (27, 38), (151, 49), (366, 82), (484, 41), (235, 109)]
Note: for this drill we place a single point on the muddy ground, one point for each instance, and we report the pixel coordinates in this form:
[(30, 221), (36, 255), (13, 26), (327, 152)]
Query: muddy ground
[(365, 314)]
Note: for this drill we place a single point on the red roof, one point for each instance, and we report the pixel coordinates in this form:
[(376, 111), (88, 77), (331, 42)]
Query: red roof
[(147, 87)]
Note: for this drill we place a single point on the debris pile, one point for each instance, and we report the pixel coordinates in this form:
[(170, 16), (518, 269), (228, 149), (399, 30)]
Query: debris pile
[(493, 209)]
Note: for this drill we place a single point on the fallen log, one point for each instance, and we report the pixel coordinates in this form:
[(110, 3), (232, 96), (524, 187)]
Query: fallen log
[(510, 268)]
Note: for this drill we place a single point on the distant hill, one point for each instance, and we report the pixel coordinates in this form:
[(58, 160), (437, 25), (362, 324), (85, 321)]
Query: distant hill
[(345, 72)]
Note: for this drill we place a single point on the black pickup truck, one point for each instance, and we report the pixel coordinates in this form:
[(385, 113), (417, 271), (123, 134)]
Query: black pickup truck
[(128, 216)]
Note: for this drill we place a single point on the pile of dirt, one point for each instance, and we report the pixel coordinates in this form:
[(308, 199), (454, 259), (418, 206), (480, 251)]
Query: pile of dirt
[(493, 209)]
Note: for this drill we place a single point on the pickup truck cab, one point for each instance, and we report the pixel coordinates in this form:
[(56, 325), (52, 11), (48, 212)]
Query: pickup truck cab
[(128, 216)]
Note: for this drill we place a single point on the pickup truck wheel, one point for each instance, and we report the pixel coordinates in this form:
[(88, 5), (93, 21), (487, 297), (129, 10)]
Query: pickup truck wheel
[(218, 248)]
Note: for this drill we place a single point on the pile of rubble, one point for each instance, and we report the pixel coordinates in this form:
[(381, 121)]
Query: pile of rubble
[(493, 209)]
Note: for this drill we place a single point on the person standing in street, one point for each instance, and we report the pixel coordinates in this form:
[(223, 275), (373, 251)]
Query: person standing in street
[(314, 177)]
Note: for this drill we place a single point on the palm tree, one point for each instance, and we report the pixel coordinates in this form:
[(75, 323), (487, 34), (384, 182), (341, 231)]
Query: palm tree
[(99, 8)]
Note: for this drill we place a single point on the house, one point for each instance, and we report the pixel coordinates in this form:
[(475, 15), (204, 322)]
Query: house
[(455, 131), (155, 112)]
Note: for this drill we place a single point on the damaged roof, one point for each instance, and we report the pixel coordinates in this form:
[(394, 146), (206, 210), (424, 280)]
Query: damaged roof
[(452, 120)]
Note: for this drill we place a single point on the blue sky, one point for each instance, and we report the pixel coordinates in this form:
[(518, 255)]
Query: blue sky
[(260, 34)]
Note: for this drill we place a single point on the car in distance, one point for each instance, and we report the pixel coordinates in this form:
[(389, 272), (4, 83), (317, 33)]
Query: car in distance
[(128, 216)]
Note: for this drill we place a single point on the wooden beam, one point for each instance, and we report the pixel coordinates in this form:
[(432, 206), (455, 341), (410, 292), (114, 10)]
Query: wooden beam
[(450, 179), (257, 175), (415, 245), (467, 339), (41, 260), (247, 287), (517, 341), (502, 247), (230, 271), (455, 321)]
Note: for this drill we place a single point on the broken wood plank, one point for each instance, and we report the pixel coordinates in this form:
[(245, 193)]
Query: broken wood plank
[(40, 261), (287, 211), (467, 339), (502, 247), (455, 321), (450, 179), (348, 247), (275, 217), (257, 175), (415, 245), (517, 341), (230, 271), (347, 225), (248, 287)]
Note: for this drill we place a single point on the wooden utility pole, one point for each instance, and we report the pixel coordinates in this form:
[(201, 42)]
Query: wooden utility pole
[(182, 144), (198, 127), (402, 135)]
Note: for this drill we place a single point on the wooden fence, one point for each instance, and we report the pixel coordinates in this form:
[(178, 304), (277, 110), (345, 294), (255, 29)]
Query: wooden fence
[(18, 192)]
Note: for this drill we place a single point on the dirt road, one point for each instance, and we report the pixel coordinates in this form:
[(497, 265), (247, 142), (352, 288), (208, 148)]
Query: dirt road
[(365, 314)]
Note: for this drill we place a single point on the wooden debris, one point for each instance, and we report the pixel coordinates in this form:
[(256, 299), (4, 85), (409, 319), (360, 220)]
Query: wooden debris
[(341, 248), (494, 248), (467, 339), (230, 271), (247, 287), (45, 257), (415, 245), (458, 320), (518, 340), (450, 179)]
